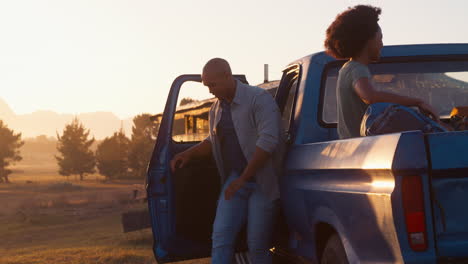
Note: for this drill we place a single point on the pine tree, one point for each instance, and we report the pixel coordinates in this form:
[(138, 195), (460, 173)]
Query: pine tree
[(76, 157), (112, 156), (141, 144), (10, 143)]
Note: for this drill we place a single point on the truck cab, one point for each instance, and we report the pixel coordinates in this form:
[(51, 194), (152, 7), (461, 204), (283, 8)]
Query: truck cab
[(396, 198)]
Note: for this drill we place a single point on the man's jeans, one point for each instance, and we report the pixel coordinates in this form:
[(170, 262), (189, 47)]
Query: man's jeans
[(247, 205)]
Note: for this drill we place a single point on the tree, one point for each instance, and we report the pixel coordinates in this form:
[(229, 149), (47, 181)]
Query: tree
[(76, 157), (112, 155), (10, 143), (144, 133), (186, 100)]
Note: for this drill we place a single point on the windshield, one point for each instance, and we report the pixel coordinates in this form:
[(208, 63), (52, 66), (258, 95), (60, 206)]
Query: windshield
[(443, 84)]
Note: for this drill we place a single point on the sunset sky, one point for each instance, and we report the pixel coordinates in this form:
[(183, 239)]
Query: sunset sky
[(121, 56)]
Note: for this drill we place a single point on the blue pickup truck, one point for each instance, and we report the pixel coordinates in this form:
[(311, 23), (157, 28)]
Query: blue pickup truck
[(396, 198)]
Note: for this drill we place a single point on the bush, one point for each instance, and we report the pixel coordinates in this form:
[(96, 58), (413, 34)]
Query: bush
[(64, 186)]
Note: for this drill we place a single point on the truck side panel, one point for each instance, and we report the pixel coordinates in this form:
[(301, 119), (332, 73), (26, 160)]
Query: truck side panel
[(449, 162), (352, 186)]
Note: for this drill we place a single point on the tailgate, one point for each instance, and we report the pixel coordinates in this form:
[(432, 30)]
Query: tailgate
[(448, 154)]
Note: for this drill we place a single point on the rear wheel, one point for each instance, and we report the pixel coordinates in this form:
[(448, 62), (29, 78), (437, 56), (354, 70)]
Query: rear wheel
[(334, 252)]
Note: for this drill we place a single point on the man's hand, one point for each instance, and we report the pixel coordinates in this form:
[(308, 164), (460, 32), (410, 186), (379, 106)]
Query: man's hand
[(233, 187), (428, 110), (180, 160), (258, 160), (200, 150)]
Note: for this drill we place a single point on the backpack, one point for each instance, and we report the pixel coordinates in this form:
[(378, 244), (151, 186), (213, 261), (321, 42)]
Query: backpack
[(385, 118)]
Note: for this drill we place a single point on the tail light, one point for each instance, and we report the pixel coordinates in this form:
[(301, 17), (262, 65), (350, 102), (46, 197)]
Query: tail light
[(413, 205)]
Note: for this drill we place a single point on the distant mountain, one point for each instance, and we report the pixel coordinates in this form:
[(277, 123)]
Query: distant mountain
[(6, 113), (100, 124)]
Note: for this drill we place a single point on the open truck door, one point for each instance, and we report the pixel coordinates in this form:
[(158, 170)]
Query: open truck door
[(182, 204)]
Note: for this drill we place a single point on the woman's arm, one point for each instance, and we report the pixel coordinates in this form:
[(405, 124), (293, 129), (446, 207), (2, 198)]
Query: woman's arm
[(369, 95)]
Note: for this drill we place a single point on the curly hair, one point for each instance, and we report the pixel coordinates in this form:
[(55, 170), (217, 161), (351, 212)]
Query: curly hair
[(350, 31)]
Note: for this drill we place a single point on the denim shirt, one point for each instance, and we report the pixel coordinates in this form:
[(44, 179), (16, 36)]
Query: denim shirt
[(257, 122)]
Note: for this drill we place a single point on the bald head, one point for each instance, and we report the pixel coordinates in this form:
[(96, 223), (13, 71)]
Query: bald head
[(217, 76), (217, 66)]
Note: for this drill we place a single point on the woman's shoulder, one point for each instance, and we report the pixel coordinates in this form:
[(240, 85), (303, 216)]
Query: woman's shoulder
[(354, 65)]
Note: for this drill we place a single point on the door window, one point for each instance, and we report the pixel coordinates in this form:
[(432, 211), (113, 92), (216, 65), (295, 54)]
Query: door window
[(285, 97), (191, 116), (287, 114)]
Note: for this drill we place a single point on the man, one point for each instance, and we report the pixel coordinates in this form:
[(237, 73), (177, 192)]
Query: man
[(355, 35), (245, 140)]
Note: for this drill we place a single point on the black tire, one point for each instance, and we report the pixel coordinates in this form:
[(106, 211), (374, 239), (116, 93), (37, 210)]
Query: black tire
[(334, 252)]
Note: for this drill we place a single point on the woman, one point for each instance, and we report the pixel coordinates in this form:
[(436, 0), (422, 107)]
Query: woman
[(355, 35)]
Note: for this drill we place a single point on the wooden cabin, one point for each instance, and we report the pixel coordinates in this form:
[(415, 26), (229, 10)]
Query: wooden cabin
[(191, 120)]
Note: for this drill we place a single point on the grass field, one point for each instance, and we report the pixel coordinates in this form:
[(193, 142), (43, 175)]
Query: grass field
[(45, 218)]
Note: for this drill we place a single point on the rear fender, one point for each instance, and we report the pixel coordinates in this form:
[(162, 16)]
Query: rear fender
[(327, 216)]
